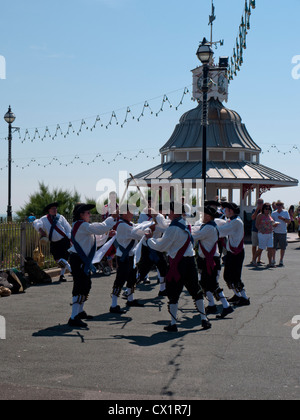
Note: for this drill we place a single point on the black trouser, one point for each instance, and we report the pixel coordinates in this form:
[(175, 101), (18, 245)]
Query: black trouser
[(82, 282), (189, 278), (125, 273), (209, 282), (233, 271), (145, 265), (59, 249)]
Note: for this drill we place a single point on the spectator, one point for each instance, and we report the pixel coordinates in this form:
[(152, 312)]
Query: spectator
[(274, 206), (265, 225), (254, 232), (280, 232), (292, 224), (31, 218)]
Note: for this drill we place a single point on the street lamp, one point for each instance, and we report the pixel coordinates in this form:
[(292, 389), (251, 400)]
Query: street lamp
[(205, 55), (9, 118)]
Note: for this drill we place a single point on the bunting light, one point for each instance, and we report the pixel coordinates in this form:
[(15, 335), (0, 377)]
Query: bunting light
[(79, 160), (66, 129), (274, 148), (237, 60)]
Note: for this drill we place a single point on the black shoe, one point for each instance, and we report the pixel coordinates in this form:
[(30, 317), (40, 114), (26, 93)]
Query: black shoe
[(76, 322), (62, 279), (234, 299), (225, 312), (116, 310), (84, 315), (171, 328), (163, 294), (211, 310), (243, 302), (206, 325), (135, 303)]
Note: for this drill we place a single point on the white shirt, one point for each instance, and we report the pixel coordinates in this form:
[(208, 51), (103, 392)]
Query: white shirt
[(172, 241), (126, 233), (62, 224), (144, 217), (234, 229), (282, 228), (85, 235), (208, 236), (162, 222)]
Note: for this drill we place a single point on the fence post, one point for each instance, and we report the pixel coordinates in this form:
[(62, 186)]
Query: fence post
[(23, 246)]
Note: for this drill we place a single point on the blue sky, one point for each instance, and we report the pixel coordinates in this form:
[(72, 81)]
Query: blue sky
[(73, 59)]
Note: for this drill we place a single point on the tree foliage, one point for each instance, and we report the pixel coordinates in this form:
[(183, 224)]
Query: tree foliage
[(40, 199)]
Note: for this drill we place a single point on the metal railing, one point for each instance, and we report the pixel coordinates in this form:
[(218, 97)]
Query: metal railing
[(19, 241)]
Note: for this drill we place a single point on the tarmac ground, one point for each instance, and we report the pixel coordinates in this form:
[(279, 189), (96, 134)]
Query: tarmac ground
[(253, 354)]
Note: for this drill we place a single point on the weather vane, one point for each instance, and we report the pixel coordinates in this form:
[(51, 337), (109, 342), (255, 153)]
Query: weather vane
[(212, 18)]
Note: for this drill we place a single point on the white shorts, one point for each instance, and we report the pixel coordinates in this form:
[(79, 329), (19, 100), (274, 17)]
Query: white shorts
[(265, 240)]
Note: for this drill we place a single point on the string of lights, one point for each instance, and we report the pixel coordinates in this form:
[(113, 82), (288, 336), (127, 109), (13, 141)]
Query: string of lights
[(236, 60), (79, 160), (119, 155), (114, 118), (275, 148)]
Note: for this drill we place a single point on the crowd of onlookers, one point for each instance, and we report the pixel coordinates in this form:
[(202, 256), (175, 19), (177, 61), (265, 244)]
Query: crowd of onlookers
[(270, 225)]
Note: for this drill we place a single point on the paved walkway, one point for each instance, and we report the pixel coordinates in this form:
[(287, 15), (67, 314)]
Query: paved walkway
[(293, 237), (250, 355)]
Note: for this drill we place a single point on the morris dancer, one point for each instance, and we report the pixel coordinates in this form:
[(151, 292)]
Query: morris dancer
[(150, 257), (177, 242), (209, 262), (58, 231), (234, 230), (127, 238), (82, 255), (110, 208)]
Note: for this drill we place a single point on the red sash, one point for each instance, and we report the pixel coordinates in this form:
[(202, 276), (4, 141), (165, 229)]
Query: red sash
[(239, 249), (173, 273), (77, 226), (56, 228), (209, 258)]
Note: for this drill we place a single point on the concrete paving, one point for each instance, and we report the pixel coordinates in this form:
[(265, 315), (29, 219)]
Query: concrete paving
[(250, 355)]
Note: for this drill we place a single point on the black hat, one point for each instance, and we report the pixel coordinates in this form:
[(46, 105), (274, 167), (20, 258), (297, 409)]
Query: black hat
[(212, 203), (82, 207), (210, 211), (47, 208), (232, 206)]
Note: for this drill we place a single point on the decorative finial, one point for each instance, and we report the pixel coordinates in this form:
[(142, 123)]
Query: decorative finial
[(212, 18)]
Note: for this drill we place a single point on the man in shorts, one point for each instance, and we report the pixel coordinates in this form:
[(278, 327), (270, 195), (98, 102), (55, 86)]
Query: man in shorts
[(280, 232)]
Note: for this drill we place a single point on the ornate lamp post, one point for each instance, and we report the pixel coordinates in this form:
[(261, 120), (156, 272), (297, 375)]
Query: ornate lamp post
[(9, 118), (205, 55)]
